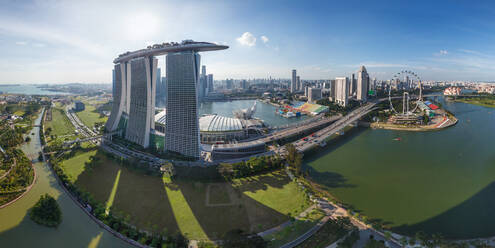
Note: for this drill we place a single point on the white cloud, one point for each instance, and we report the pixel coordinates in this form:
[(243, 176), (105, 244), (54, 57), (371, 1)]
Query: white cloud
[(34, 31), (247, 39), (442, 52), (21, 43), (39, 45), (264, 39)]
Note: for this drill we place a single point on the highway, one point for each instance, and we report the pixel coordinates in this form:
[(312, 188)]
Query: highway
[(320, 136), (80, 127), (293, 130)]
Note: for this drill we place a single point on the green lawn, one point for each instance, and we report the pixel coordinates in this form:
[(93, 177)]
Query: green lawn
[(89, 116), (60, 124), (74, 166), (159, 204), (278, 194)]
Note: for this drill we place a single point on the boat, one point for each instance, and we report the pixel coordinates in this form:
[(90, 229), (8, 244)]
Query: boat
[(397, 139)]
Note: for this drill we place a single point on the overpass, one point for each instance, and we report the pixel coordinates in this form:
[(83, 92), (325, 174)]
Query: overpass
[(93, 138), (335, 127)]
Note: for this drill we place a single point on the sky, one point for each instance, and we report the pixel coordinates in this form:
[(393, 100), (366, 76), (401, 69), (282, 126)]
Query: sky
[(50, 41)]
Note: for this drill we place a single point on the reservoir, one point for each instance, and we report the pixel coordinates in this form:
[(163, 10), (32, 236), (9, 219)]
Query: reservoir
[(437, 182)]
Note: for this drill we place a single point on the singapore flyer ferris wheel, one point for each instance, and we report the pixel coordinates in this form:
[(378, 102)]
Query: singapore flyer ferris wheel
[(407, 82)]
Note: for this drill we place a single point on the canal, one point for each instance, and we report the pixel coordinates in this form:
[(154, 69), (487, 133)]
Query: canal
[(76, 229), (437, 182)]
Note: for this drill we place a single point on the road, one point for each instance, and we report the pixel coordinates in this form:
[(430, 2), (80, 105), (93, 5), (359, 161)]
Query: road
[(320, 136)]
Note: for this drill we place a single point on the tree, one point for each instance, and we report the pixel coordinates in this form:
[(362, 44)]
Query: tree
[(388, 235), (294, 158), (237, 239), (46, 212)]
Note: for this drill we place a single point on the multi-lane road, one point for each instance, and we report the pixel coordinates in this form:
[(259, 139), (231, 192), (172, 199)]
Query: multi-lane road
[(320, 136)]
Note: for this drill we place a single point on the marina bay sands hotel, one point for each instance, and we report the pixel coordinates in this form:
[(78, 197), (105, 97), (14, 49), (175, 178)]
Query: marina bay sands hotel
[(133, 110)]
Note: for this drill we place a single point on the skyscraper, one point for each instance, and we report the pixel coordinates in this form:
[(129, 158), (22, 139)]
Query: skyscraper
[(342, 91), (182, 128), (120, 97), (142, 100), (113, 82), (298, 83), (136, 83), (362, 84), (161, 93), (293, 82), (352, 85), (209, 82), (244, 84), (202, 85), (229, 83)]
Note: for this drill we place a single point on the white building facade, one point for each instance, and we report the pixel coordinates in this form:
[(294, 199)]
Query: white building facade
[(342, 91)]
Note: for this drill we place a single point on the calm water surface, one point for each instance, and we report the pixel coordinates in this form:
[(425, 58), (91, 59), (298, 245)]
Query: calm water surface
[(27, 89), (439, 182), (264, 111)]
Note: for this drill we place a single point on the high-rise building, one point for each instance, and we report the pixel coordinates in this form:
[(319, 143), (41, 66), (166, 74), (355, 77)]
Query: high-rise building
[(161, 93), (202, 84), (113, 82), (298, 83), (120, 97), (332, 90), (209, 82), (182, 128), (136, 85), (229, 83), (244, 84), (352, 85), (362, 84), (142, 99), (293, 82), (314, 94), (342, 91)]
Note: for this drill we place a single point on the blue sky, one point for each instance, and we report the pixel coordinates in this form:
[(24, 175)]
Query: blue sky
[(49, 41)]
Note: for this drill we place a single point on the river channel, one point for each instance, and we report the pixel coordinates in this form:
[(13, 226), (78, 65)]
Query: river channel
[(76, 229)]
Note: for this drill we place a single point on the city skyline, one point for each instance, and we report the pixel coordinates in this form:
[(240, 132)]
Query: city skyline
[(42, 42)]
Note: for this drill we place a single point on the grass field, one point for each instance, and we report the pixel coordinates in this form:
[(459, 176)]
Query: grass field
[(60, 124), (89, 116), (74, 166), (159, 204)]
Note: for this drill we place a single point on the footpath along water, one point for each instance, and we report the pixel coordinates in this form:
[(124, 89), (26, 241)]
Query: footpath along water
[(76, 229)]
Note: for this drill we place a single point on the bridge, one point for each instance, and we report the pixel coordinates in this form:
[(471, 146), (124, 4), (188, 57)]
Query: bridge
[(335, 127), (92, 138)]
